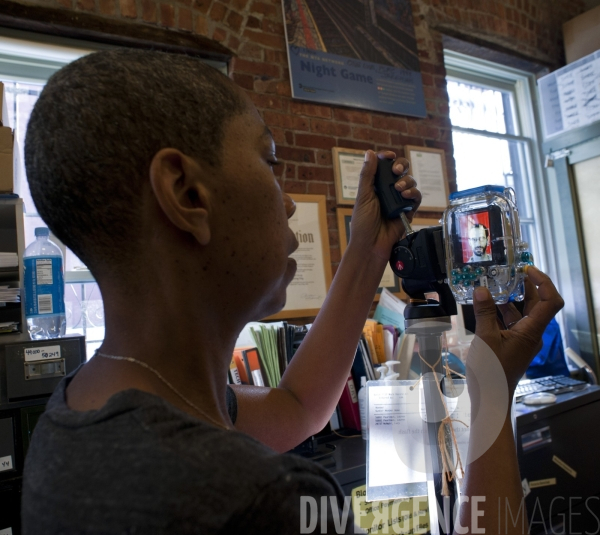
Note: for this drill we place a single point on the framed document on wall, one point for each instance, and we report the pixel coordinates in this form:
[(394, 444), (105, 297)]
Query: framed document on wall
[(428, 166), (347, 164), (307, 291), (389, 280)]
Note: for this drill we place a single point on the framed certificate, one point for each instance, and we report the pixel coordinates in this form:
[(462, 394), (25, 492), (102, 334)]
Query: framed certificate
[(428, 166), (307, 291), (347, 164), (389, 279)]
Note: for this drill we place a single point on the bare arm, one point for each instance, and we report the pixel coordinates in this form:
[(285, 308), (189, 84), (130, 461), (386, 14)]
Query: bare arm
[(495, 474), (312, 384)]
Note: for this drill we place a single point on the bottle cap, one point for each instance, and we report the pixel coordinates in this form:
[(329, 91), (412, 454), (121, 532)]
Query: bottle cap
[(42, 231)]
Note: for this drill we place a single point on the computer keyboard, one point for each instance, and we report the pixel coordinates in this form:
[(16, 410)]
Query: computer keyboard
[(554, 384)]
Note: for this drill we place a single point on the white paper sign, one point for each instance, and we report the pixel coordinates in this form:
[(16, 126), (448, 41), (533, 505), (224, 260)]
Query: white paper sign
[(6, 463), (427, 168), (42, 353), (7, 531), (308, 289)]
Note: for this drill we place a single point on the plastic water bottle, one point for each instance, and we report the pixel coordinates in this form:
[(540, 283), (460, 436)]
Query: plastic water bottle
[(44, 288)]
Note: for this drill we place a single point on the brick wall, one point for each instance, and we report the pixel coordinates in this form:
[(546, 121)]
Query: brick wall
[(253, 31)]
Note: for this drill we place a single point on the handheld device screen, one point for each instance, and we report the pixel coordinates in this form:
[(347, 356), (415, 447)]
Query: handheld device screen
[(478, 237)]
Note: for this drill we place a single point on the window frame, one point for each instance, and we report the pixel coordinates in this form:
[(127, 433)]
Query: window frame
[(522, 86)]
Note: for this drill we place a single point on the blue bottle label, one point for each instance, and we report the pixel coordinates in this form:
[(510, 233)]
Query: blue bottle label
[(44, 286)]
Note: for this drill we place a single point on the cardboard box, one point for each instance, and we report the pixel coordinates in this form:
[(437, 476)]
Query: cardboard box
[(6, 160), (582, 35)]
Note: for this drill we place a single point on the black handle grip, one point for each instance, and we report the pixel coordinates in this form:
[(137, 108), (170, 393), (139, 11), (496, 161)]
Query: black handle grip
[(390, 199)]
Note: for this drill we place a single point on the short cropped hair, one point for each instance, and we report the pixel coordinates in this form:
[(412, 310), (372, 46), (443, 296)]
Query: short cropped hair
[(95, 129)]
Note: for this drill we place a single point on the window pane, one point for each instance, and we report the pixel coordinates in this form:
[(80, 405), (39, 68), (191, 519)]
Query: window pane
[(480, 108), (85, 313), (481, 161)]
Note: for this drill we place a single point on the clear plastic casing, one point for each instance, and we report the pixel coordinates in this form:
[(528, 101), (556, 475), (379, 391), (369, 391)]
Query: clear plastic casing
[(483, 243)]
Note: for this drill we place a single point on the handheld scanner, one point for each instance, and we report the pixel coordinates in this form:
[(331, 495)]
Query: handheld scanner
[(391, 200)]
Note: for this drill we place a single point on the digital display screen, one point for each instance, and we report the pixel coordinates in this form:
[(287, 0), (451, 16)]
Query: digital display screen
[(478, 237), (474, 231)]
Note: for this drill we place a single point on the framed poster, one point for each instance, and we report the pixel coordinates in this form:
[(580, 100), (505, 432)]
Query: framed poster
[(363, 55), (307, 291), (389, 280), (428, 166), (347, 164)]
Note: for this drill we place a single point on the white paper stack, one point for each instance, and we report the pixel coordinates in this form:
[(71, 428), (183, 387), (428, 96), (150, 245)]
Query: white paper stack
[(10, 295), (8, 260)]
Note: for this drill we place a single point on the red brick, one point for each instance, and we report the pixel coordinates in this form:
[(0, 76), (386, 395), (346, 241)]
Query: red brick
[(278, 135), (149, 11), (266, 39), (202, 6), (200, 25), (272, 27), (320, 174), (290, 171), (368, 134), (294, 186), (219, 35), (107, 7), (251, 51), (353, 144), (357, 117), (318, 188), (167, 15), (284, 89), (312, 110), (86, 5), (256, 68), (245, 81), (330, 128), (253, 22), (270, 102), (217, 12), (275, 56), (296, 155), (317, 142), (185, 19), (264, 8), (66, 3), (389, 123), (238, 5), (334, 235), (233, 43), (289, 137), (234, 21), (300, 124), (324, 157), (335, 255), (128, 8)]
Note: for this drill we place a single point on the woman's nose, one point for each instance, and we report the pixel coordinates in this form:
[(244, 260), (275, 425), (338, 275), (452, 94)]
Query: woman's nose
[(290, 205)]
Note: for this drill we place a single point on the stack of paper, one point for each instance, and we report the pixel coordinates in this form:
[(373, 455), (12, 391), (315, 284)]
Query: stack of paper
[(9, 327), (8, 260), (10, 295), (265, 339)]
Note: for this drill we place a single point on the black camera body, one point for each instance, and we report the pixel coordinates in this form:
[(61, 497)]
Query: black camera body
[(477, 244)]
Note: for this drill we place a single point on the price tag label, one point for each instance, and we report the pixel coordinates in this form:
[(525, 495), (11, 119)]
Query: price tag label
[(6, 531), (6, 463), (42, 353)]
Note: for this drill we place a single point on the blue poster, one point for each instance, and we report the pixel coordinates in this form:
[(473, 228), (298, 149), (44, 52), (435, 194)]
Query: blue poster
[(358, 53)]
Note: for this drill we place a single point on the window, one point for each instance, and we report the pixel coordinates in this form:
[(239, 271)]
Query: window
[(495, 137), (25, 66)]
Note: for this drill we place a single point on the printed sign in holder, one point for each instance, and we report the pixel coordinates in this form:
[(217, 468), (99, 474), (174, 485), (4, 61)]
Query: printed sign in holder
[(403, 454)]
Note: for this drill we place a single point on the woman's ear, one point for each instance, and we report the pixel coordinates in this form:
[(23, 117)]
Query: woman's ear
[(176, 180)]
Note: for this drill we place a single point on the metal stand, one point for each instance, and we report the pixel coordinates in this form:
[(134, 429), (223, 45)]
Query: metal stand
[(428, 320)]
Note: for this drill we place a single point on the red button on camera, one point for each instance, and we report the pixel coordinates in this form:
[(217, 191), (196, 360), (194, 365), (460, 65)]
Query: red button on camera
[(399, 265)]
